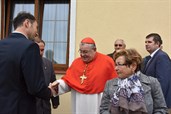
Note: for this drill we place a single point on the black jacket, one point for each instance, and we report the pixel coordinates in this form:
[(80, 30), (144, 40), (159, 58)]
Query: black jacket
[(21, 75), (44, 106)]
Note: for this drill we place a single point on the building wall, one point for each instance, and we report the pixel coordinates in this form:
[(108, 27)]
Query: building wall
[(132, 20)]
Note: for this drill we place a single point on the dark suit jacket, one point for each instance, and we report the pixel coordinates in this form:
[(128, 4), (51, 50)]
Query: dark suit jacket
[(44, 106), (160, 67), (21, 75), (111, 54)]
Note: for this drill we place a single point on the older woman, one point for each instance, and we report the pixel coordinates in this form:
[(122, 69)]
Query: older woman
[(132, 92)]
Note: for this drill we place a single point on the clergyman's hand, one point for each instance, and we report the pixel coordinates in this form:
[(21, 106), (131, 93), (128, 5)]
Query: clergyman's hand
[(54, 88)]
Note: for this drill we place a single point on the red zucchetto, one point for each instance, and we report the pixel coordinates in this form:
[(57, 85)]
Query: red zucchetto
[(88, 40)]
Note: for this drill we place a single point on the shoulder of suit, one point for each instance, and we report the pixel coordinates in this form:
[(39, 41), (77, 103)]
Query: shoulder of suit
[(46, 60)]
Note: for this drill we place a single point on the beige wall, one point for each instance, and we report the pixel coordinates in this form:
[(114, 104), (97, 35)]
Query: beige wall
[(132, 20)]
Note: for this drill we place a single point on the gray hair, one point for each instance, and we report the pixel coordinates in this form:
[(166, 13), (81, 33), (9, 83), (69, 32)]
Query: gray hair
[(93, 46)]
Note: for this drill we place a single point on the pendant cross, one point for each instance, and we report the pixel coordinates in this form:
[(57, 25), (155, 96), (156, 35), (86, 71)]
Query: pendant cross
[(83, 77)]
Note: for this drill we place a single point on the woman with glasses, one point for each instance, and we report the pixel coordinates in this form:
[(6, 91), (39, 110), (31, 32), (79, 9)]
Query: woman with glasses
[(132, 92)]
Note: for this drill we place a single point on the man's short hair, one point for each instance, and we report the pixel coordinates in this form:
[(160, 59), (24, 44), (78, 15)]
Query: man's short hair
[(21, 17), (156, 38)]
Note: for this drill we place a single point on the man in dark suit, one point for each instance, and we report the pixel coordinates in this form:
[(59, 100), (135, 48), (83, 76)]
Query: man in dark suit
[(158, 65), (44, 106), (21, 72)]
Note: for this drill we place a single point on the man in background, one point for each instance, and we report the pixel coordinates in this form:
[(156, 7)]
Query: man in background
[(49, 54), (44, 106), (118, 44), (158, 65), (21, 72)]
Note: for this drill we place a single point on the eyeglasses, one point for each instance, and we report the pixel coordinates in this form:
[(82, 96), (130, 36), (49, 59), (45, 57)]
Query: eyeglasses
[(118, 64), (120, 45), (84, 51)]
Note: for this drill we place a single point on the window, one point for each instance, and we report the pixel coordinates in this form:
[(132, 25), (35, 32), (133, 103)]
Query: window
[(55, 29), (54, 20)]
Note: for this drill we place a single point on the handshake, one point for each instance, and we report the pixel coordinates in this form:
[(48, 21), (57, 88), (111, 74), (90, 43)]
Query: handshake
[(54, 88)]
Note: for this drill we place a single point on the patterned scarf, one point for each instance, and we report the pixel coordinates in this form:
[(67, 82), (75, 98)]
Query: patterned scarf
[(128, 99)]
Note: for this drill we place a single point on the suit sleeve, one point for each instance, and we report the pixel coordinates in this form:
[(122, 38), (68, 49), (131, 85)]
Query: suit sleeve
[(32, 70), (105, 101), (163, 72), (158, 98), (55, 100)]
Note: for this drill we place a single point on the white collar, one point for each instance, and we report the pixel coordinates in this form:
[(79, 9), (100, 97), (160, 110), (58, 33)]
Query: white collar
[(154, 52), (20, 33)]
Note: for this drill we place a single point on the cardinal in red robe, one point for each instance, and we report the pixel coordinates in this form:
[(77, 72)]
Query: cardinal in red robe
[(89, 73)]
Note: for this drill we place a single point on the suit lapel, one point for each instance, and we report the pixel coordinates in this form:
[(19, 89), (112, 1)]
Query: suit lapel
[(147, 64)]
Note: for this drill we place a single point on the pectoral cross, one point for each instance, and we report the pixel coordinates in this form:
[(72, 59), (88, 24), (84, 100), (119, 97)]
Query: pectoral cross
[(83, 77)]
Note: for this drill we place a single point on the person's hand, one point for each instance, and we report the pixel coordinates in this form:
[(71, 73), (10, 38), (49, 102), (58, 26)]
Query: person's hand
[(54, 88), (55, 107)]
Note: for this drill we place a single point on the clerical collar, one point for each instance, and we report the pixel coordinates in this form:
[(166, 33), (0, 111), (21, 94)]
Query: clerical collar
[(154, 52), (20, 33)]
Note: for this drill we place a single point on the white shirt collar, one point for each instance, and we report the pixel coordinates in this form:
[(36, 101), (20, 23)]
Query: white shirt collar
[(20, 33), (154, 52)]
